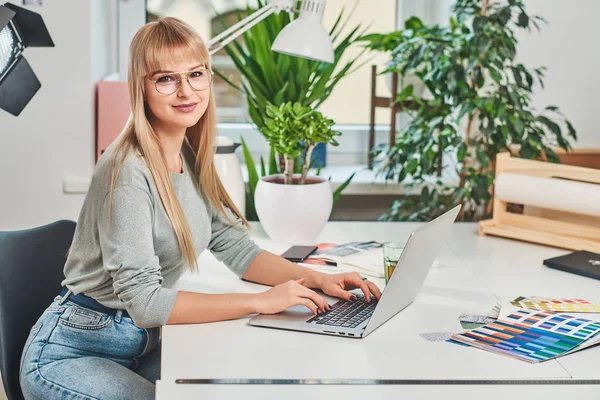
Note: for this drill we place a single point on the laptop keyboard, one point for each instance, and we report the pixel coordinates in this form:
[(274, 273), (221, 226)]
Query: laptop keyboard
[(346, 314)]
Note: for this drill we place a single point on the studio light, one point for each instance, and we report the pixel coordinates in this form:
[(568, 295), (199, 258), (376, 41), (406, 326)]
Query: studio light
[(19, 29)]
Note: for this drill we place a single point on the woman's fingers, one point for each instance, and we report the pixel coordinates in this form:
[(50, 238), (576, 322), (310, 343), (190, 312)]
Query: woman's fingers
[(362, 284), (374, 289), (343, 294), (368, 288), (318, 300), (300, 301)]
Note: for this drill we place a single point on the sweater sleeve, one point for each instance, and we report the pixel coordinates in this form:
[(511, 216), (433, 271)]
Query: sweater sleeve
[(231, 244), (129, 257)]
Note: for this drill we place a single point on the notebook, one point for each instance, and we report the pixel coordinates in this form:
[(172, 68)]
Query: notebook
[(583, 263), (364, 257)]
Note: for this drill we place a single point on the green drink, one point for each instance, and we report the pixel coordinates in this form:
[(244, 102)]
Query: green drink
[(391, 255)]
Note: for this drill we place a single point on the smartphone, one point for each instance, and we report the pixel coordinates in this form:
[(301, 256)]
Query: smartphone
[(298, 253)]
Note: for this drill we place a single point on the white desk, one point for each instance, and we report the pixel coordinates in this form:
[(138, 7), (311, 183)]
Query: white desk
[(512, 268), (166, 390), (473, 272)]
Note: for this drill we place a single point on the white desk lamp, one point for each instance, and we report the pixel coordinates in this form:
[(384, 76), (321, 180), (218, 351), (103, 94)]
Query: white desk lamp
[(304, 37)]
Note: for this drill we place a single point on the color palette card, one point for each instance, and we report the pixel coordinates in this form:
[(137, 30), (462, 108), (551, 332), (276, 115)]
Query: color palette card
[(533, 336), (556, 305)]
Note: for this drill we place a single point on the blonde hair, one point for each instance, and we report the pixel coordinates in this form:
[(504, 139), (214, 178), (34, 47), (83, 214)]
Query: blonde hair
[(153, 43)]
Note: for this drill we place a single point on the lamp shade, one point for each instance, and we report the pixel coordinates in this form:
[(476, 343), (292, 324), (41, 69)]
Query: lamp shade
[(306, 37)]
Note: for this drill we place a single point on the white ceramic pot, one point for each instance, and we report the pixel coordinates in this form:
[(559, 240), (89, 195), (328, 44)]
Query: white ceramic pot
[(293, 214)]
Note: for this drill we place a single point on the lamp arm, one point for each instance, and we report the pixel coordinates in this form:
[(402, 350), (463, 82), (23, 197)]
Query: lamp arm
[(233, 32), (229, 35)]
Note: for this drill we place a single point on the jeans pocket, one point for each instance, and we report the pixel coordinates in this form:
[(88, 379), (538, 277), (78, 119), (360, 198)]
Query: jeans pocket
[(32, 334), (84, 318)]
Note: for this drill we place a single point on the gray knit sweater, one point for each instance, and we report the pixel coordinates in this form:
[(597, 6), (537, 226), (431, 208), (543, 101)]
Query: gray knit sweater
[(133, 262)]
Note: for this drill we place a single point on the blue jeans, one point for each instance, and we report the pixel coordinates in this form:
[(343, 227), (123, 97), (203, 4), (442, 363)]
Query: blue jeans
[(73, 352)]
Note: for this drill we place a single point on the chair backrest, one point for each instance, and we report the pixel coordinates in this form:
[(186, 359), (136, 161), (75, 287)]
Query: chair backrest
[(31, 270)]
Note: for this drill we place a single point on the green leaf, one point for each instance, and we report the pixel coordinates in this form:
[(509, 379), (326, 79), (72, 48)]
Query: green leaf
[(479, 79), (411, 166), (462, 152), (478, 23), (228, 81), (571, 129), (402, 175), (338, 192), (554, 128), (273, 165), (263, 171), (424, 195), (405, 93), (517, 75), (413, 23), (252, 174), (495, 75), (482, 158), (251, 214), (519, 127), (523, 20)]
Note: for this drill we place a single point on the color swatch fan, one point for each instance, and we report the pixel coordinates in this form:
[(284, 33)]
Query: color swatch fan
[(533, 336), (556, 305)]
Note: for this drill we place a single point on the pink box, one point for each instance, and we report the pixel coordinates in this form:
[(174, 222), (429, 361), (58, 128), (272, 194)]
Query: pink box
[(113, 111)]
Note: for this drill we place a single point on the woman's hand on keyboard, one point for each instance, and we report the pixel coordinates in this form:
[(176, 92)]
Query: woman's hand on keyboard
[(338, 285), (289, 294)]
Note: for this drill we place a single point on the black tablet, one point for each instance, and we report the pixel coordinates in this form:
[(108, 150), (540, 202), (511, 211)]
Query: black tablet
[(582, 262)]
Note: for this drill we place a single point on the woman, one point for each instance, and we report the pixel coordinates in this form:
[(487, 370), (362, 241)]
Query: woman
[(154, 204)]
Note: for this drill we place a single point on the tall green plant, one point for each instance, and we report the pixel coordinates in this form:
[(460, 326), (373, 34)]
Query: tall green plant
[(478, 104), (275, 78)]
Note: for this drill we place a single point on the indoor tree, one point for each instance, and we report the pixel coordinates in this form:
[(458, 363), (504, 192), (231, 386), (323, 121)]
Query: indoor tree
[(477, 103)]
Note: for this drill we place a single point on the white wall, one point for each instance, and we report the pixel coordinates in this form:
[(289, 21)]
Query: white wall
[(567, 45), (53, 138)]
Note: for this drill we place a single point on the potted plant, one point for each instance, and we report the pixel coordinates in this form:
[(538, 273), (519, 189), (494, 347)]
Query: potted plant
[(478, 104), (273, 78), (294, 207)]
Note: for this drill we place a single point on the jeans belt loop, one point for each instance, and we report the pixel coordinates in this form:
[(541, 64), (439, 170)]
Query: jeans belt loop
[(62, 299), (118, 316)]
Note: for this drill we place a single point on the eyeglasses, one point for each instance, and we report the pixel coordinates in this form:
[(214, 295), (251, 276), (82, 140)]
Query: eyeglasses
[(198, 79)]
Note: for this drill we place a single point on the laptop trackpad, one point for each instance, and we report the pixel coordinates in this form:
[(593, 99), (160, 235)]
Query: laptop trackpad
[(293, 314), (297, 313)]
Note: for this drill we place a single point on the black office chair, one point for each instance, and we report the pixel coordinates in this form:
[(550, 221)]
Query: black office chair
[(31, 270)]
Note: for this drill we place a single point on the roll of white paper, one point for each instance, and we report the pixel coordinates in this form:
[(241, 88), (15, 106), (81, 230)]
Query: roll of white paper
[(551, 193)]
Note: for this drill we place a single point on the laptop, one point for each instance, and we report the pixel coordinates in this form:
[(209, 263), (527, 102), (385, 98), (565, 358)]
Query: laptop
[(358, 319)]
